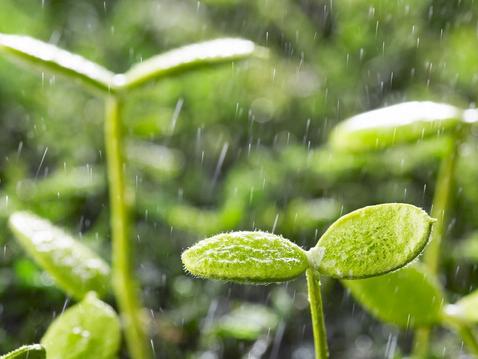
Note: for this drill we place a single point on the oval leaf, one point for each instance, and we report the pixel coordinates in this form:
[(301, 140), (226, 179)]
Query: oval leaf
[(34, 351), (255, 257), (74, 267), (408, 297), (372, 240), (394, 125), (187, 58), (89, 329), (466, 309), (51, 58)]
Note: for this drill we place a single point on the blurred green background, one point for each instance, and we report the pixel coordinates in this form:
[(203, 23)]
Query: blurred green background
[(239, 147)]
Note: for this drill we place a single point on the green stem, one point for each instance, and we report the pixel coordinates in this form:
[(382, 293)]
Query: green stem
[(125, 288), (317, 314), (441, 203), (469, 339)]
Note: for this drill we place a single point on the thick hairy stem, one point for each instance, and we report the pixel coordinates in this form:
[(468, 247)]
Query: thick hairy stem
[(441, 203), (125, 288), (317, 314)]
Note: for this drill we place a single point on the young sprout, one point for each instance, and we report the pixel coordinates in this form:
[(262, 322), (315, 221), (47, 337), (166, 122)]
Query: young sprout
[(365, 243), (405, 123), (114, 88)]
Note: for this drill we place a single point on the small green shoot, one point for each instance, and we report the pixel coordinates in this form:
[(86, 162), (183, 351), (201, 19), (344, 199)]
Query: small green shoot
[(382, 238)]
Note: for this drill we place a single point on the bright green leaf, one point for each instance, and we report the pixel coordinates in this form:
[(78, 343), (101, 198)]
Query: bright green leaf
[(408, 297), (372, 240), (73, 266), (53, 59), (256, 257), (247, 322), (466, 309), (34, 351), (394, 125), (187, 58), (89, 329)]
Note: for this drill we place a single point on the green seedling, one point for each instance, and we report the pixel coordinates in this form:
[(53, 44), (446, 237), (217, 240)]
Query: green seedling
[(89, 329), (115, 88), (405, 123), (365, 243), (34, 351)]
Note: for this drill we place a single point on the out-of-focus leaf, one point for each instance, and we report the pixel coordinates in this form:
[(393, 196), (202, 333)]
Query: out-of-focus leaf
[(51, 58), (466, 309), (74, 267), (89, 329), (187, 58), (34, 351), (247, 322), (63, 184), (468, 248), (254, 257), (393, 125), (372, 240), (158, 161), (408, 297)]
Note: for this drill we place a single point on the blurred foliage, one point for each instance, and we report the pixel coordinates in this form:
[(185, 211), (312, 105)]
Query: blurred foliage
[(240, 147)]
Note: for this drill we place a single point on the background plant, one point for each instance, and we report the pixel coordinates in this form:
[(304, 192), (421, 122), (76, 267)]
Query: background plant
[(269, 119)]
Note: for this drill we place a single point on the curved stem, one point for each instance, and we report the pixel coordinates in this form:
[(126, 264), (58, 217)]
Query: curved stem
[(441, 203), (317, 314), (124, 286)]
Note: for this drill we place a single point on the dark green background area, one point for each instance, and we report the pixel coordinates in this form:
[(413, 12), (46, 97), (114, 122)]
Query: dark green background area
[(247, 149)]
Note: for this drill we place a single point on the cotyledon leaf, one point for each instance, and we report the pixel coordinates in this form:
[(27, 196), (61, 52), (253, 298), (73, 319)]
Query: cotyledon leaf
[(33, 351), (187, 58), (466, 309), (74, 267), (393, 125), (408, 297), (253, 257), (89, 329), (371, 241), (53, 59)]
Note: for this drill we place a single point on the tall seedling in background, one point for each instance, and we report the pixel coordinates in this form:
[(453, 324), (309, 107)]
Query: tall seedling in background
[(405, 123), (367, 242), (115, 88)]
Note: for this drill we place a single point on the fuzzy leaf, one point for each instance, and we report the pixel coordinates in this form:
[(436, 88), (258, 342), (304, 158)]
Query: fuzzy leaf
[(34, 351), (372, 240), (74, 267), (89, 329), (408, 297), (187, 58), (255, 257), (53, 59), (466, 309), (394, 125)]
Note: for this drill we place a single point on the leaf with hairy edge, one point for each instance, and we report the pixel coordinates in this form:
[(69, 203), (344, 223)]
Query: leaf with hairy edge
[(408, 297), (187, 58), (466, 309), (371, 241), (394, 125), (53, 59), (254, 257), (34, 351), (74, 267), (89, 329)]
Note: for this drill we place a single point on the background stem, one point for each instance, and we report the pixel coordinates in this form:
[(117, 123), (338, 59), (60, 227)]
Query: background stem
[(441, 203), (125, 288), (317, 314), (469, 339)]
